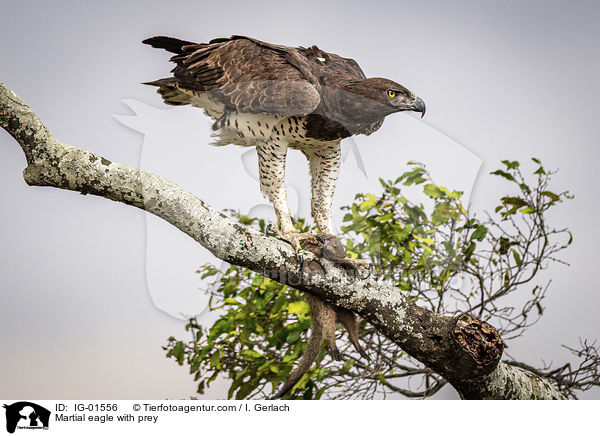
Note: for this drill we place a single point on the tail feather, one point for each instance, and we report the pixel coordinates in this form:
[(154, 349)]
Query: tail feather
[(167, 88), (170, 88), (173, 45)]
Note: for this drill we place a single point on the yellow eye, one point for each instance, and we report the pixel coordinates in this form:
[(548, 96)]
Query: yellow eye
[(391, 93)]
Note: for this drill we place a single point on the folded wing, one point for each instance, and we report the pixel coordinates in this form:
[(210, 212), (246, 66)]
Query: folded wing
[(244, 74)]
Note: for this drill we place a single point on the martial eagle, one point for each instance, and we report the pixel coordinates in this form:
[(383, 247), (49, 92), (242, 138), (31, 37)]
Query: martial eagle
[(275, 97)]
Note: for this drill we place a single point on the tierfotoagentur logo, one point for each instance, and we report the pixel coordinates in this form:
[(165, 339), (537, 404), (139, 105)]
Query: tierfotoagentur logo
[(26, 415), (172, 259)]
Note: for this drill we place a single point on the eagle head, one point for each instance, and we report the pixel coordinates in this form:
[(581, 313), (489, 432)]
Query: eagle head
[(380, 97)]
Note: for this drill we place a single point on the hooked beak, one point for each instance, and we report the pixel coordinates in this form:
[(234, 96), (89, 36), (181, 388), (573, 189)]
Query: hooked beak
[(416, 105), (419, 106)]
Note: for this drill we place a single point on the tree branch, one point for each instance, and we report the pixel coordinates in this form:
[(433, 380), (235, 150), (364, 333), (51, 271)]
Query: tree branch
[(463, 350)]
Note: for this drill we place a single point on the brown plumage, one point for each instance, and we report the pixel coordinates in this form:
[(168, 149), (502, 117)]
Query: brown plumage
[(276, 97), (247, 75)]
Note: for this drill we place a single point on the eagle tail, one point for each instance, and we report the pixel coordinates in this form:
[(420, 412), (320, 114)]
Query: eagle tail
[(167, 43), (168, 90)]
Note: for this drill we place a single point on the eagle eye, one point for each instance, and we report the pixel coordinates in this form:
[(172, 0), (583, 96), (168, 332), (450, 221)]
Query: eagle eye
[(391, 93)]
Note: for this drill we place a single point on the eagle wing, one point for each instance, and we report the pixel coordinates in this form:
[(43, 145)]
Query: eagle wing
[(242, 73), (332, 66)]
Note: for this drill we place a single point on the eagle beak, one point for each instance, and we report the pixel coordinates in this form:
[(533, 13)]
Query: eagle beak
[(419, 106)]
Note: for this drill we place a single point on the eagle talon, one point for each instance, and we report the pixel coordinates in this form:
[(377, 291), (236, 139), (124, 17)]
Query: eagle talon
[(293, 238), (270, 229), (371, 268)]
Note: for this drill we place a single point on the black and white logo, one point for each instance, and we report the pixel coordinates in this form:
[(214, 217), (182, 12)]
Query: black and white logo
[(26, 415)]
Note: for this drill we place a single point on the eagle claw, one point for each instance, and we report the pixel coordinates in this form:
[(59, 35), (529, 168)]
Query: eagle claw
[(268, 229), (293, 238)]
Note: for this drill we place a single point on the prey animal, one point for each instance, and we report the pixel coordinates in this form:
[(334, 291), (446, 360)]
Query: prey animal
[(275, 97)]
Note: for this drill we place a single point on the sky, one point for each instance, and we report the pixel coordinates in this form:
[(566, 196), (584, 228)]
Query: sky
[(91, 289)]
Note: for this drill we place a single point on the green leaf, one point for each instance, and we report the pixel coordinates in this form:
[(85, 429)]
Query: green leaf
[(298, 308), (221, 326), (195, 366), (527, 210), (413, 177), (247, 388), (368, 204), (551, 195), (428, 241), (511, 164), (469, 251), (251, 354), (526, 189), (319, 393), (385, 217), (347, 366), (404, 285), (505, 244), (455, 195), (293, 336), (308, 393), (434, 191), (414, 213), (178, 352), (503, 174), (517, 257), (514, 201), (215, 360), (441, 214), (479, 233)]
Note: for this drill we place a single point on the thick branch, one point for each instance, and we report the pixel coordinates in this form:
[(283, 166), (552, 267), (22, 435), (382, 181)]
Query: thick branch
[(463, 350)]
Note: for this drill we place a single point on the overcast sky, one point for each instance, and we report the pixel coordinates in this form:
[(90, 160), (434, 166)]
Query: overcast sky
[(91, 289)]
